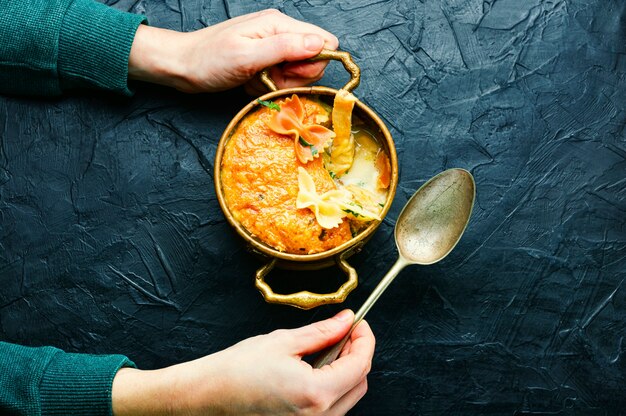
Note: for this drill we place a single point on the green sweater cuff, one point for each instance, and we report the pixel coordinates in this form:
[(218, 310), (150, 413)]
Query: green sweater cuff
[(94, 46), (80, 384)]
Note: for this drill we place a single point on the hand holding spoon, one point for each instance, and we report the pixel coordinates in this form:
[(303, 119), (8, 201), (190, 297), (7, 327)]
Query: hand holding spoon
[(429, 226)]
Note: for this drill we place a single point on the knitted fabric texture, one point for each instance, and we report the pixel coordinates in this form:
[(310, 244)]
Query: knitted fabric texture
[(48, 46), (48, 381)]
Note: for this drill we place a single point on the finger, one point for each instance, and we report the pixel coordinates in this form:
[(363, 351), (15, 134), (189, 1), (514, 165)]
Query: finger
[(316, 336), (272, 22), (305, 69), (347, 371), (275, 49), (347, 401), (356, 333), (294, 82), (255, 87), (363, 340), (283, 81), (346, 348)]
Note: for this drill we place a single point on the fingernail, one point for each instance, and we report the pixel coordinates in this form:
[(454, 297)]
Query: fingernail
[(345, 315), (313, 42)]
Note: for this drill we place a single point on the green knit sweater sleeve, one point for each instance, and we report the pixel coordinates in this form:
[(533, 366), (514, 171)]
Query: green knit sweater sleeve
[(48, 46), (48, 381)]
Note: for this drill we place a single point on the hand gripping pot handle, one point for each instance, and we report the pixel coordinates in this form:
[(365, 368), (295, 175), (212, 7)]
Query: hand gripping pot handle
[(306, 299), (326, 54)]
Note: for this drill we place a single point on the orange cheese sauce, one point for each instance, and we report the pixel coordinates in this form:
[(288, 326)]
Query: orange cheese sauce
[(260, 182)]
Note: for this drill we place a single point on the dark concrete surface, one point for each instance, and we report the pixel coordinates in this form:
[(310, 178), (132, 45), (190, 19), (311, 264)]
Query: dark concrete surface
[(112, 240)]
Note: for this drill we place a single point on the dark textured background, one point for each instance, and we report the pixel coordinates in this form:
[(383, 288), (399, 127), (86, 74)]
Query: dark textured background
[(112, 240)]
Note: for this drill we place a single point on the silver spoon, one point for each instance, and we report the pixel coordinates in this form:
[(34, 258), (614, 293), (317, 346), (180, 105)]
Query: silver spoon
[(429, 226)]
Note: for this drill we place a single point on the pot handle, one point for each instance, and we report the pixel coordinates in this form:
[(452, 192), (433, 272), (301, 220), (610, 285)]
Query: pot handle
[(326, 54), (306, 299)]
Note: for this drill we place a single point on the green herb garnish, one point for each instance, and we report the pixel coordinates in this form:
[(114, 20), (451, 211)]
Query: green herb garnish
[(269, 104), (332, 174), (349, 211), (381, 205), (304, 142)]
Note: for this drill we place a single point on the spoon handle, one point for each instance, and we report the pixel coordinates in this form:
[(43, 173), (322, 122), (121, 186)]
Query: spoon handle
[(330, 354)]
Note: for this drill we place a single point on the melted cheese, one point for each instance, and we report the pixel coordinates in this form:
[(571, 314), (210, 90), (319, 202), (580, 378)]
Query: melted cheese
[(363, 173)]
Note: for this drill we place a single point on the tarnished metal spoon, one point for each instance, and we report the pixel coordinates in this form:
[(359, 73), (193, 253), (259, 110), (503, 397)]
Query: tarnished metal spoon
[(429, 226)]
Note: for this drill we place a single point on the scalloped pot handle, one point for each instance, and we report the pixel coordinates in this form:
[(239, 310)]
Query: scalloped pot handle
[(306, 299), (326, 54)]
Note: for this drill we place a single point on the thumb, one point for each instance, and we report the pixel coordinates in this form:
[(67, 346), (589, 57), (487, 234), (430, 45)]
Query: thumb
[(319, 335), (286, 47)]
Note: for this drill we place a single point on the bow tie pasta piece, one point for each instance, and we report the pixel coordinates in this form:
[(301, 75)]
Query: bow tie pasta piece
[(310, 139), (332, 206), (326, 207)]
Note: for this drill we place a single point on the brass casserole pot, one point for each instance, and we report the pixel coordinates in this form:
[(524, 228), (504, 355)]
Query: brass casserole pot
[(339, 254)]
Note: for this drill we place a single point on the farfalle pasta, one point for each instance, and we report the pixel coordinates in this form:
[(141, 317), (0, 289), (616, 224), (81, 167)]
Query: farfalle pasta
[(331, 207), (327, 207), (310, 139)]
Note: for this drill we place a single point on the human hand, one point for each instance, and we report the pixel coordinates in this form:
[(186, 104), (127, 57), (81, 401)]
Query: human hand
[(230, 53), (263, 375)]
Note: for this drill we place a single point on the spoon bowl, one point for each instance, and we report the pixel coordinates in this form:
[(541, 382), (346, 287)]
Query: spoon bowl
[(434, 219), (429, 226)]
